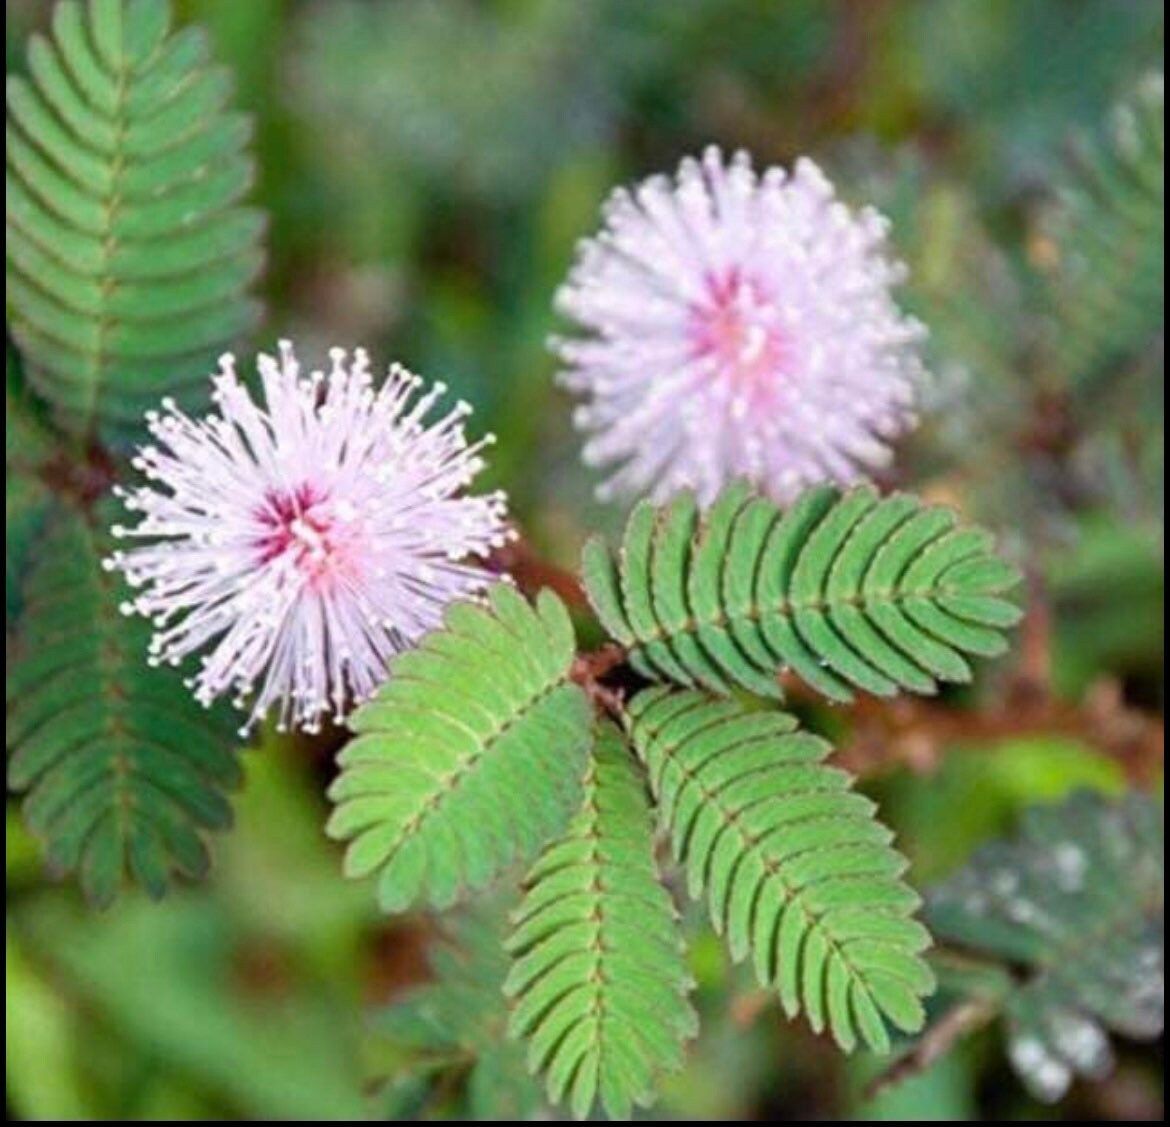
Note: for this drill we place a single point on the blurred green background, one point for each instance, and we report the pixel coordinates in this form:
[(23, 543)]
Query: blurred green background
[(428, 167)]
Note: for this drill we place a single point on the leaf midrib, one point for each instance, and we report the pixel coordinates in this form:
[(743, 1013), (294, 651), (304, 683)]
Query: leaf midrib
[(788, 608), (109, 242), (772, 867), (451, 784)]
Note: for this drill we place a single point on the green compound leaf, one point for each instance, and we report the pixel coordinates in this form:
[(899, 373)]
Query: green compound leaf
[(1078, 902), (128, 258), (599, 980), (1107, 241), (796, 870), (471, 755), (848, 591), (124, 770)]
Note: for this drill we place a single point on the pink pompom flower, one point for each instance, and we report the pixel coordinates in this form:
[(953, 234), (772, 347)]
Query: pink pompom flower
[(737, 324), (300, 543)]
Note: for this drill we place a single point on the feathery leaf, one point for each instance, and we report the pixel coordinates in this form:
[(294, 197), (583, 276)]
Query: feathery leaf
[(128, 256), (124, 771), (469, 758), (796, 869), (599, 979), (848, 591)]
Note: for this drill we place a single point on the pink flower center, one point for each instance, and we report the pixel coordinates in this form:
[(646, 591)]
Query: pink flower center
[(735, 326), (298, 524)]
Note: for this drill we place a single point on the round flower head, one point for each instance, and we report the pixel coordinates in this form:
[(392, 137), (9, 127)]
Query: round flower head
[(303, 542), (735, 325)]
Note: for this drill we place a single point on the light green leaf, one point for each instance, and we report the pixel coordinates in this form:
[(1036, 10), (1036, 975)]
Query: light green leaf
[(599, 981), (796, 870), (848, 591), (469, 758)]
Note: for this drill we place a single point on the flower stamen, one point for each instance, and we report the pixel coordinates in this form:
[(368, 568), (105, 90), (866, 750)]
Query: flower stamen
[(299, 544), (737, 324)]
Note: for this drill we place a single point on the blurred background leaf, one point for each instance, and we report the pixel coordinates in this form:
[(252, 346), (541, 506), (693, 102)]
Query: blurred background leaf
[(1074, 910), (128, 257)]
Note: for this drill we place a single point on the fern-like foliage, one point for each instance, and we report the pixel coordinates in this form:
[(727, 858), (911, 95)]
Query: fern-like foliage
[(453, 1029), (1107, 236), (794, 866), (599, 980), (128, 258), (124, 771), (1078, 902), (848, 591), (470, 757)]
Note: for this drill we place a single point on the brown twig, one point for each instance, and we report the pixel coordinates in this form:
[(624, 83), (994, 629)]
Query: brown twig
[(532, 573), (84, 478), (916, 733), (1034, 661), (588, 670), (595, 664), (937, 1041)]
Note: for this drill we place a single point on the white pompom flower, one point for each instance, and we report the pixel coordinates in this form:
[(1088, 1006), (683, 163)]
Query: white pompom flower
[(299, 544), (736, 324)]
